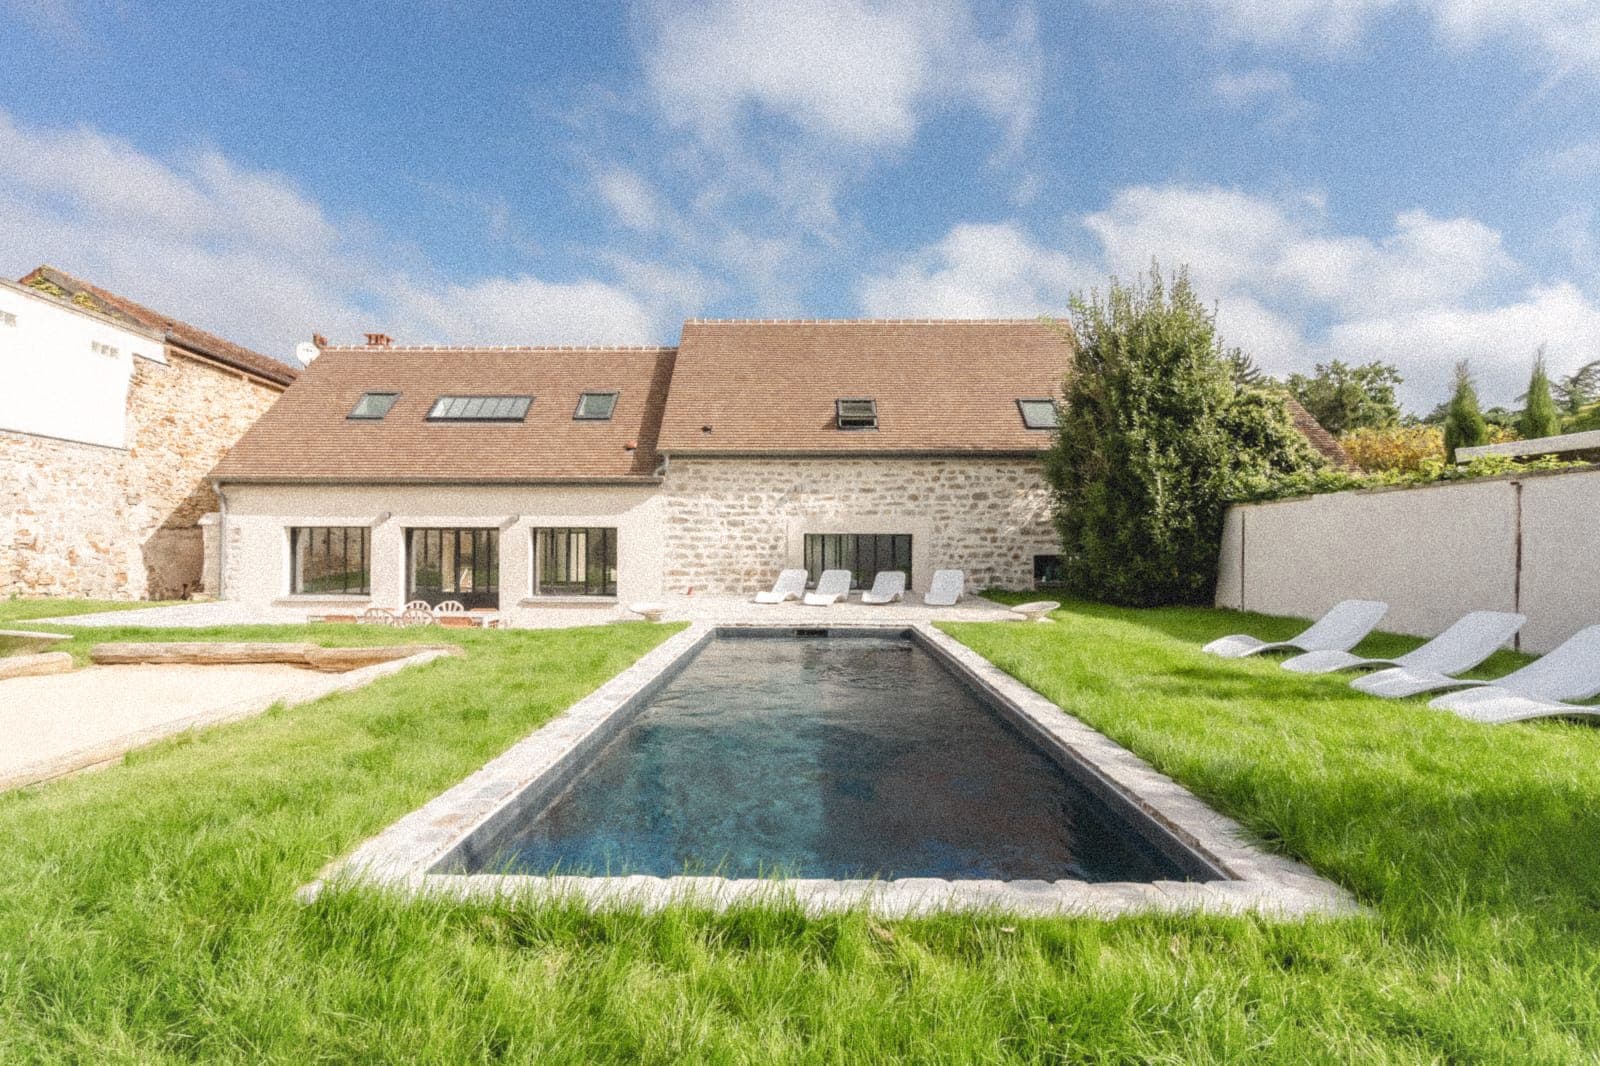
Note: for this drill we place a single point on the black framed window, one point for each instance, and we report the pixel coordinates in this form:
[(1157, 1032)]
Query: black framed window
[(857, 414), (1048, 572), (595, 407), (480, 409), (330, 560), (373, 406), (454, 564), (863, 554), (575, 562), (1038, 414)]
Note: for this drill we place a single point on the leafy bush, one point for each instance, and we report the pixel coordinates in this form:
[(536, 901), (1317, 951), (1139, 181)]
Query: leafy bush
[(1431, 472), (1398, 449), (1539, 415), (1155, 439)]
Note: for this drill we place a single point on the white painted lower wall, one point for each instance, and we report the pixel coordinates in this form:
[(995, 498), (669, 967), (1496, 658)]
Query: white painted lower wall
[(1529, 543), (255, 535)]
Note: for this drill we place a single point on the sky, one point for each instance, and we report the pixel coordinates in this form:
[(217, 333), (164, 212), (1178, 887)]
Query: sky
[(1408, 180)]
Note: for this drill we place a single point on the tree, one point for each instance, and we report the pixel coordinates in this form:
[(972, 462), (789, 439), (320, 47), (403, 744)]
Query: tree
[(1539, 416), (1154, 439), (1580, 389), (1464, 426), (1344, 397)]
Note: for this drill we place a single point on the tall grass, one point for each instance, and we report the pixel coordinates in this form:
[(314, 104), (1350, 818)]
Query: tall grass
[(147, 913)]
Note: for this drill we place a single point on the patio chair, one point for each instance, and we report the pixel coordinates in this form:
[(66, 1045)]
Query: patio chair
[(832, 586), (946, 588), (791, 585), (1339, 630), (418, 605), (377, 616), (412, 616), (1569, 672), (1472, 639), (450, 607), (887, 586)]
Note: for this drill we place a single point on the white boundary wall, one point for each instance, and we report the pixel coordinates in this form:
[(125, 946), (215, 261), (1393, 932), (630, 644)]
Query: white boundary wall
[(1528, 543)]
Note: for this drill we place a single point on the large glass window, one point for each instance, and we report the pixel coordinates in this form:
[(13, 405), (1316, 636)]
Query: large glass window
[(863, 554), (595, 406), (373, 406), (575, 562), (454, 564), (479, 409), (330, 560)]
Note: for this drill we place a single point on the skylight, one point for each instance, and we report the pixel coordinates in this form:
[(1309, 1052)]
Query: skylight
[(373, 405), (857, 414), (595, 406), (480, 409), (1038, 414)]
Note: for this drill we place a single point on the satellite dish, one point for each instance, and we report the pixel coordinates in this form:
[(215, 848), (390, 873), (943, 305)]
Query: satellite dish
[(306, 352)]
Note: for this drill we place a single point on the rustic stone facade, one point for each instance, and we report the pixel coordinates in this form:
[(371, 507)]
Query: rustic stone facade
[(108, 523), (729, 525)]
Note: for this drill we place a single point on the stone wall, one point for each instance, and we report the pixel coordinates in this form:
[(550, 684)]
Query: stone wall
[(731, 524), (108, 523)]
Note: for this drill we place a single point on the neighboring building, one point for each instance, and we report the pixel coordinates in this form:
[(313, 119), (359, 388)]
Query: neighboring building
[(529, 477), (111, 416)]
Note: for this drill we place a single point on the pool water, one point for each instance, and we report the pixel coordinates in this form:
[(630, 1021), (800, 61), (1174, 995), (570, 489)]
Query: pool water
[(824, 757)]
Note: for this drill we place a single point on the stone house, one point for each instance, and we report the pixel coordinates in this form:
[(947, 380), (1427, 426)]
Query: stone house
[(520, 478), (111, 417)]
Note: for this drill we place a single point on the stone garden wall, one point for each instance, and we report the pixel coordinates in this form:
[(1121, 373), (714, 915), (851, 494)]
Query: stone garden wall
[(731, 524), (111, 523)]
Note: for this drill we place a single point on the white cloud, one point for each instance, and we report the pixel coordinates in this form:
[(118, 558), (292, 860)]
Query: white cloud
[(1288, 287), (1263, 90), (630, 198), (248, 255), (1558, 36), (977, 271), (864, 72)]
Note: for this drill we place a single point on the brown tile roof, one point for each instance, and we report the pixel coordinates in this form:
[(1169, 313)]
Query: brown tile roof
[(307, 436), (193, 339), (1320, 439), (942, 387)]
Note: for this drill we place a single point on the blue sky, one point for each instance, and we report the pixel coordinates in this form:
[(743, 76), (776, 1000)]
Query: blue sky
[(1411, 180)]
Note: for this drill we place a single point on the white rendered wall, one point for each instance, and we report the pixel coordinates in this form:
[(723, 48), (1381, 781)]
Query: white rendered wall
[(1529, 544), (53, 383), (259, 517)]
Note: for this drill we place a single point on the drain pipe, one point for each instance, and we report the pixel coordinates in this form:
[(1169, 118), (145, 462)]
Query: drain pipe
[(222, 538)]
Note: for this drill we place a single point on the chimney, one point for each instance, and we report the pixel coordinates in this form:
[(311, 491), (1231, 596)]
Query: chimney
[(319, 340), (379, 340)]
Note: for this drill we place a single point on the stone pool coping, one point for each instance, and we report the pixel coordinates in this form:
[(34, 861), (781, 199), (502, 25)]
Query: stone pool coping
[(402, 857)]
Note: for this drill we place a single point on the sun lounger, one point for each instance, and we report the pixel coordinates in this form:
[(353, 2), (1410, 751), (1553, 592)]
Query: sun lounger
[(831, 586), (887, 586), (1538, 690), (946, 588), (1472, 639), (791, 585), (1339, 630)]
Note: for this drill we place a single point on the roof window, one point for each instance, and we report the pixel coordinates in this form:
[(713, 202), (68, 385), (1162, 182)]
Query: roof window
[(595, 406), (373, 405), (480, 409), (1038, 414), (857, 414)]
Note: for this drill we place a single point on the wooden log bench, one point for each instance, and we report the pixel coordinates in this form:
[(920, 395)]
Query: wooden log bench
[(305, 656)]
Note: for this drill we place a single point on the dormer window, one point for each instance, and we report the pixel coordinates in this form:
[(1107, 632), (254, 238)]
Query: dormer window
[(595, 407), (1038, 414), (480, 409), (373, 406), (857, 414)]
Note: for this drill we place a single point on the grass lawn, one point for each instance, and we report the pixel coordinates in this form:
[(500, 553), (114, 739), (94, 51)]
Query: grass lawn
[(19, 610), (146, 913)]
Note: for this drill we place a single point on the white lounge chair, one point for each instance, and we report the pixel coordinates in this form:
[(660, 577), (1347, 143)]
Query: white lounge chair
[(887, 586), (1569, 672), (1339, 630), (1472, 639), (946, 588), (791, 585), (833, 585)]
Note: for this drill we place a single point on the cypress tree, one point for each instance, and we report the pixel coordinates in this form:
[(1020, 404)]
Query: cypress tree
[(1539, 416), (1464, 426)]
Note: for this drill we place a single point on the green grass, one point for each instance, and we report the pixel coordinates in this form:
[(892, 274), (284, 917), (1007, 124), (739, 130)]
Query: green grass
[(146, 913), (20, 610)]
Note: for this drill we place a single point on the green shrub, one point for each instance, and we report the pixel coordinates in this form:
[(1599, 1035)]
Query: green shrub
[(1539, 416), (1464, 426), (1155, 439)]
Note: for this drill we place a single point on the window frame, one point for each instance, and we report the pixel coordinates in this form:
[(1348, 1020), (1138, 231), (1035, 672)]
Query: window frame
[(839, 415), (579, 416), (1044, 563), (542, 539), (844, 551), (434, 414), (299, 535), (394, 398), (1022, 409), (426, 545)]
